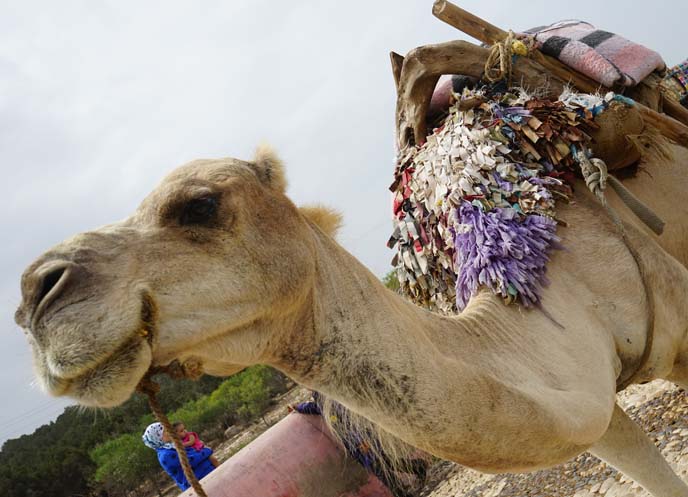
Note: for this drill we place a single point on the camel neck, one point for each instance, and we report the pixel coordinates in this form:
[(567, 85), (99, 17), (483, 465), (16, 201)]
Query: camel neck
[(451, 385), (373, 351)]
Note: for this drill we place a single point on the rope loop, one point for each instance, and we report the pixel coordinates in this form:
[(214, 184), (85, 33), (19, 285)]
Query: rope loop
[(594, 173), (499, 61)]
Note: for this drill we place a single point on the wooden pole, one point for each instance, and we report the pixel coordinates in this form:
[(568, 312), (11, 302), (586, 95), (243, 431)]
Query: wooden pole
[(675, 110), (468, 23), (671, 127), (574, 78), (668, 126), (397, 63), (482, 30)]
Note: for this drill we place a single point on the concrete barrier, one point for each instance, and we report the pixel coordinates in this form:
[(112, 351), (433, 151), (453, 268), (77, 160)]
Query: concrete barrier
[(297, 457)]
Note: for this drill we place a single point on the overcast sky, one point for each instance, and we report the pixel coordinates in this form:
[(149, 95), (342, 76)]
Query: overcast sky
[(98, 100)]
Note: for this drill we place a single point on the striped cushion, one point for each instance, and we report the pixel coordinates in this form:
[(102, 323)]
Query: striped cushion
[(603, 56)]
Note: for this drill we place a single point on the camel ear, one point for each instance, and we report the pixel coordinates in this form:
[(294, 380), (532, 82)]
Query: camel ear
[(325, 218), (269, 168)]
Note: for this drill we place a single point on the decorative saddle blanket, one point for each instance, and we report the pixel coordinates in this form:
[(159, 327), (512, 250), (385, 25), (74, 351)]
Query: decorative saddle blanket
[(475, 204), (675, 83)]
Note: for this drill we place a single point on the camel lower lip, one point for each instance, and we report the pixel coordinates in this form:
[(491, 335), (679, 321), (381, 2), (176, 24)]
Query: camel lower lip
[(60, 385), (144, 331), (111, 381)]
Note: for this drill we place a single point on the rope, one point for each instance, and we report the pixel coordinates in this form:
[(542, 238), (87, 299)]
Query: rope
[(499, 61), (596, 177), (595, 174), (148, 387), (651, 220)]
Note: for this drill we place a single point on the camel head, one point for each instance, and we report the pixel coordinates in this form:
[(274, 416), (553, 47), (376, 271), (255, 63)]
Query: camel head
[(216, 250)]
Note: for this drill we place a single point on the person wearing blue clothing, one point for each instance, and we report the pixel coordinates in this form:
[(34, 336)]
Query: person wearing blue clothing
[(157, 438)]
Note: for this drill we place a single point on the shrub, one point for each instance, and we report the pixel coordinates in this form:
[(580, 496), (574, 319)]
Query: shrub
[(123, 463)]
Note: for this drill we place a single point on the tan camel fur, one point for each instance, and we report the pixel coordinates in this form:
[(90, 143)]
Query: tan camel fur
[(662, 184), (217, 267)]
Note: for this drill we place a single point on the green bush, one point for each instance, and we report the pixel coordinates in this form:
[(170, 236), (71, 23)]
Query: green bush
[(242, 397), (391, 281), (123, 463)]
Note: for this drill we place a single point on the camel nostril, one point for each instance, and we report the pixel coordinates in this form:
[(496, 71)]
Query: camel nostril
[(49, 282)]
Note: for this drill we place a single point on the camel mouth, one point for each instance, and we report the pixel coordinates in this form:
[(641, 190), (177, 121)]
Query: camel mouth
[(112, 379)]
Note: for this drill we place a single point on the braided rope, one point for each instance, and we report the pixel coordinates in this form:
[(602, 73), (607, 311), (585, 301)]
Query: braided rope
[(597, 177), (150, 388), (498, 63)]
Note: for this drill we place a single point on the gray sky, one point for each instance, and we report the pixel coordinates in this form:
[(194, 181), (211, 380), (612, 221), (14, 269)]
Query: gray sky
[(98, 100)]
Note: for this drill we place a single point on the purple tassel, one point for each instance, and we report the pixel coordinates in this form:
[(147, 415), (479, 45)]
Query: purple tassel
[(503, 252)]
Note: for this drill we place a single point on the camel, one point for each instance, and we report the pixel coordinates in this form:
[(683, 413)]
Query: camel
[(217, 268)]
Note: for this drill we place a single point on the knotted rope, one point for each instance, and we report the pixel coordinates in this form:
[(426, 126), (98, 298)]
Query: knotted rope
[(596, 177), (499, 61), (594, 173), (150, 388)]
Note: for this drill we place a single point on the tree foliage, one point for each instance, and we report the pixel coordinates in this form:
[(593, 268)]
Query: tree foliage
[(124, 463), (391, 280), (86, 451)]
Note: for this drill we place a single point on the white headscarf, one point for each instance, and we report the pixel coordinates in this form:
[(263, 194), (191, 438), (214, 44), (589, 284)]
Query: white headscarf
[(152, 437)]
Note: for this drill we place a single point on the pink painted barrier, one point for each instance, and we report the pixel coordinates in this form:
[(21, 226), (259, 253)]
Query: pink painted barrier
[(295, 458)]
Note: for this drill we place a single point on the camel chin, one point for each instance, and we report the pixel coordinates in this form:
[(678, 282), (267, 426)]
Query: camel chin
[(108, 383), (99, 361)]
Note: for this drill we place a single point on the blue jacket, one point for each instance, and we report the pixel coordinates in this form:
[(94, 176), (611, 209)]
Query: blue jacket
[(169, 460)]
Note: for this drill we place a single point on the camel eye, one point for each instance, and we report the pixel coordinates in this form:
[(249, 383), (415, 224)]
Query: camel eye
[(199, 211)]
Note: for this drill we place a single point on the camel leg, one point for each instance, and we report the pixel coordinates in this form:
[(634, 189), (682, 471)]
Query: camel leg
[(626, 447)]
